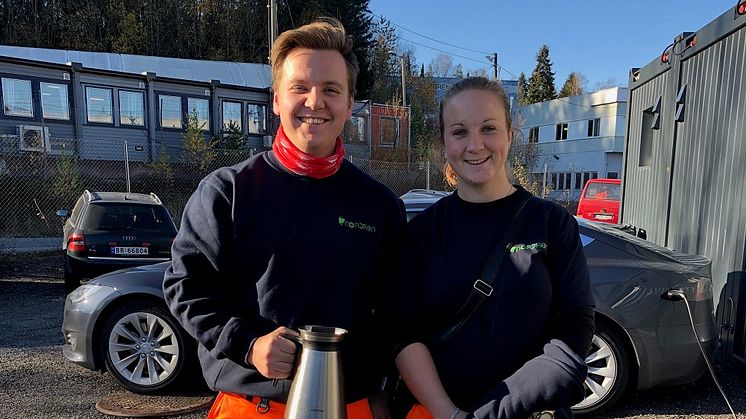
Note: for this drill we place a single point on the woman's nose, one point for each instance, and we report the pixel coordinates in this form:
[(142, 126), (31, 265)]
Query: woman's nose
[(474, 142)]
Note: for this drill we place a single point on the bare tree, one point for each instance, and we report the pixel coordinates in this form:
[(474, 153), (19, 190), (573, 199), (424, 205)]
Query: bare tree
[(442, 65)]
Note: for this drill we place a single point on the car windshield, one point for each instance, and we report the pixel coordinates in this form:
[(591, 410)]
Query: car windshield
[(602, 191), (119, 216)]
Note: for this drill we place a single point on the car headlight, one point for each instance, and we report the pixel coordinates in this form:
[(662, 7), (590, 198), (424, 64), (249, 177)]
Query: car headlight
[(86, 291)]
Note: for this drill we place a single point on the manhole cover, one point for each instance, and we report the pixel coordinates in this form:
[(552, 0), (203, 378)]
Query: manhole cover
[(126, 404)]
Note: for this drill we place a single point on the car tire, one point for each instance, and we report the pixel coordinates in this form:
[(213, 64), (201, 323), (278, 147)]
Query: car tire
[(145, 349), (608, 373), (71, 280)]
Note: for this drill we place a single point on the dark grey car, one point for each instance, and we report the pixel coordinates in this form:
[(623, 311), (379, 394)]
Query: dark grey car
[(641, 340)]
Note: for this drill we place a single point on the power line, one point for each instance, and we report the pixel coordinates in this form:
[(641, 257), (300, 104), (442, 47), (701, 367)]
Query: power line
[(444, 43), (427, 37), (440, 50)]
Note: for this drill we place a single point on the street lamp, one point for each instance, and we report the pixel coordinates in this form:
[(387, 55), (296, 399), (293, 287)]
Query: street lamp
[(403, 83), (544, 187)]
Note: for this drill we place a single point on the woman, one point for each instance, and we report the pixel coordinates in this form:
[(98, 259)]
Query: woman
[(522, 350)]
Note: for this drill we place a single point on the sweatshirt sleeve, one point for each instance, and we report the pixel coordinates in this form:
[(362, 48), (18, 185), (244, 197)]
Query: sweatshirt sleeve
[(197, 286), (551, 380)]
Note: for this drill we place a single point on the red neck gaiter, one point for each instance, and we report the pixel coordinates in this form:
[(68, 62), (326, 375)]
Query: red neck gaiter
[(305, 164)]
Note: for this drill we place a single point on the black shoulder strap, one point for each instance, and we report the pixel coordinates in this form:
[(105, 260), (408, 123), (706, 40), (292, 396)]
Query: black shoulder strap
[(482, 287)]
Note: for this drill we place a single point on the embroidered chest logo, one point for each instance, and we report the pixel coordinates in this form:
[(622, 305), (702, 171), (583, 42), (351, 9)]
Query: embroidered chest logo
[(356, 225), (534, 246)]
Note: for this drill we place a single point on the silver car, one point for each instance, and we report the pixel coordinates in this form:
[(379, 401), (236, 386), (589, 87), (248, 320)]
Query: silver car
[(119, 321)]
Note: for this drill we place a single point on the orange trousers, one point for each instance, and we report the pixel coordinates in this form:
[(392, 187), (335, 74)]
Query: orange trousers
[(234, 406), (418, 411)]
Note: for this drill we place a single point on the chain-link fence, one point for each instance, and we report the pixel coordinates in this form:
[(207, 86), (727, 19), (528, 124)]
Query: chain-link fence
[(37, 179)]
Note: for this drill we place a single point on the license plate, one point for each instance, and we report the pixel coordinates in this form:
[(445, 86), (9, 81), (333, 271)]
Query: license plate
[(129, 251), (603, 216)]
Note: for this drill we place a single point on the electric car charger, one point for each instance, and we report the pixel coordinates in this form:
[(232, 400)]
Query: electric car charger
[(677, 294)]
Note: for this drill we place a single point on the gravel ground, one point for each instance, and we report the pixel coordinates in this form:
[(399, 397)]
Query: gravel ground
[(37, 382)]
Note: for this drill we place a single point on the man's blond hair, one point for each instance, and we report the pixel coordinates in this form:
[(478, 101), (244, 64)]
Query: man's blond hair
[(325, 33)]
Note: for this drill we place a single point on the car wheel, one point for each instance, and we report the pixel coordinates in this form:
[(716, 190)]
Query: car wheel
[(608, 373), (71, 280), (144, 348)]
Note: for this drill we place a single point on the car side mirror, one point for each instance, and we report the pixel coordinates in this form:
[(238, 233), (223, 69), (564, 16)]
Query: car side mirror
[(63, 213), (641, 233)]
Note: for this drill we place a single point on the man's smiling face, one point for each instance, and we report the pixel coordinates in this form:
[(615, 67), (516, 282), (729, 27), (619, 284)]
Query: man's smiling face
[(313, 99)]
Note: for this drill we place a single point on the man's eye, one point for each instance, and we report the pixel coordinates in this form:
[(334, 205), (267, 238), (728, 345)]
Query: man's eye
[(332, 90)]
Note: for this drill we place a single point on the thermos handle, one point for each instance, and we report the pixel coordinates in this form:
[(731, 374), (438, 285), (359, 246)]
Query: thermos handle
[(298, 348)]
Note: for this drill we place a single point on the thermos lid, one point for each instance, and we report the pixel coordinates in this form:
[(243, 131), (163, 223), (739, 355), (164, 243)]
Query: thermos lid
[(315, 333)]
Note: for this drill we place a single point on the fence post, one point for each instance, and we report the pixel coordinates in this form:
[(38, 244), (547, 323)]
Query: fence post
[(427, 178), (127, 165)]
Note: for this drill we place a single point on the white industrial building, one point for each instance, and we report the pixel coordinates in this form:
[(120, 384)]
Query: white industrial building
[(579, 138)]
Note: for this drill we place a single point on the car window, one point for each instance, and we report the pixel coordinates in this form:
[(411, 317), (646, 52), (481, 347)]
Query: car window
[(603, 191), (118, 216)]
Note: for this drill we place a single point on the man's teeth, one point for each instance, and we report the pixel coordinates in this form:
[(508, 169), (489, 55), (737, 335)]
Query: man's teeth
[(475, 162), (314, 121)]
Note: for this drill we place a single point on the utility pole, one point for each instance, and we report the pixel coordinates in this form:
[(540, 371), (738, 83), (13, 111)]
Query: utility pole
[(495, 68), (272, 33), (403, 83)]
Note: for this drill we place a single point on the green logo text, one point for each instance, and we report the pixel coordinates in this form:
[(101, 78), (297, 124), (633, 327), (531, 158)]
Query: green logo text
[(356, 225)]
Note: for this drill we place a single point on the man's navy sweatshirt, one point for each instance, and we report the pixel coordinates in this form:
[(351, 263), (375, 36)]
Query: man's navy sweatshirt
[(260, 247)]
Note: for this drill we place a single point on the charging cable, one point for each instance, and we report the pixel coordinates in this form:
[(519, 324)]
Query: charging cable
[(676, 294)]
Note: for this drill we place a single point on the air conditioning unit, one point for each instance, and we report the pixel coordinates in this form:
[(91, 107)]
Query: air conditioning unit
[(33, 138)]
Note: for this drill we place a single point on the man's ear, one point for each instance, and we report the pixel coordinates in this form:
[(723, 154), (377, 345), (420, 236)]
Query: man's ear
[(349, 107), (275, 103)]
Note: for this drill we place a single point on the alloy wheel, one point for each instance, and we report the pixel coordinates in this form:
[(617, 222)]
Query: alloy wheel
[(603, 369), (143, 349)]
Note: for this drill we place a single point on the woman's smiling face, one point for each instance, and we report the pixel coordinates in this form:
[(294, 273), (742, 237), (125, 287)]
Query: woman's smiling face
[(477, 138)]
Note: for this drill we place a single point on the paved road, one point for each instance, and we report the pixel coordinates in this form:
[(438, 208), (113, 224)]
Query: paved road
[(37, 382)]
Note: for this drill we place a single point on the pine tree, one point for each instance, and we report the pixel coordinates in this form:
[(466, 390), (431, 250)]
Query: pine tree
[(541, 83), (522, 89), (573, 85), (458, 71)]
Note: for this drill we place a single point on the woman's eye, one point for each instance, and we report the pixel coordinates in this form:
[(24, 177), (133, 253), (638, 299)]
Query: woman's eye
[(488, 129), (459, 132)]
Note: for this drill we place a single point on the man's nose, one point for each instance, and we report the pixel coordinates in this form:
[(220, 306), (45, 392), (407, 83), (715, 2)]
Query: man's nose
[(314, 99)]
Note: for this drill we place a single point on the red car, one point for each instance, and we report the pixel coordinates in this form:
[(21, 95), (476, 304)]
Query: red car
[(600, 200)]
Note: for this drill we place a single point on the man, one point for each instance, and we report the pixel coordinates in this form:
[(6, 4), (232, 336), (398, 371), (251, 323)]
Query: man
[(291, 237)]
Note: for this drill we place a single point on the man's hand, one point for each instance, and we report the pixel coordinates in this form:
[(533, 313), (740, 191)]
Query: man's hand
[(273, 355)]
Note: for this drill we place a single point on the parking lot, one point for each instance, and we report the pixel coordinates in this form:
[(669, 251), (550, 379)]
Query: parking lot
[(37, 382)]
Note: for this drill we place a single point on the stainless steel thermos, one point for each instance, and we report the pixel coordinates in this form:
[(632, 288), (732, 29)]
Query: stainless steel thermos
[(317, 391)]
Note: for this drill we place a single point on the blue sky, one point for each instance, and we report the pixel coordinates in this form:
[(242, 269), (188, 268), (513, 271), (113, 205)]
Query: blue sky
[(600, 39)]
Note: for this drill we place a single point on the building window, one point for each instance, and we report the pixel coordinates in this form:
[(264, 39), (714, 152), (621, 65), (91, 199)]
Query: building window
[(594, 127), (131, 108), (17, 98), (533, 135), (578, 181), (170, 107), (554, 181), (202, 108), (612, 175), (232, 116), (257, 118), (54, 103), (389, 131), (354, 132), (646, 138), (561, 132), (98, 105)]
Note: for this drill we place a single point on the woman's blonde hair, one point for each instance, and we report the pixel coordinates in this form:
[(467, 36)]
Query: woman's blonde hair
[(325, 33), (472, 83)]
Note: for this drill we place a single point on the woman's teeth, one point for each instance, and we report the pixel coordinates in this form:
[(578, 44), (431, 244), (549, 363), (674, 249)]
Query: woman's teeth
[(476, 162)]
